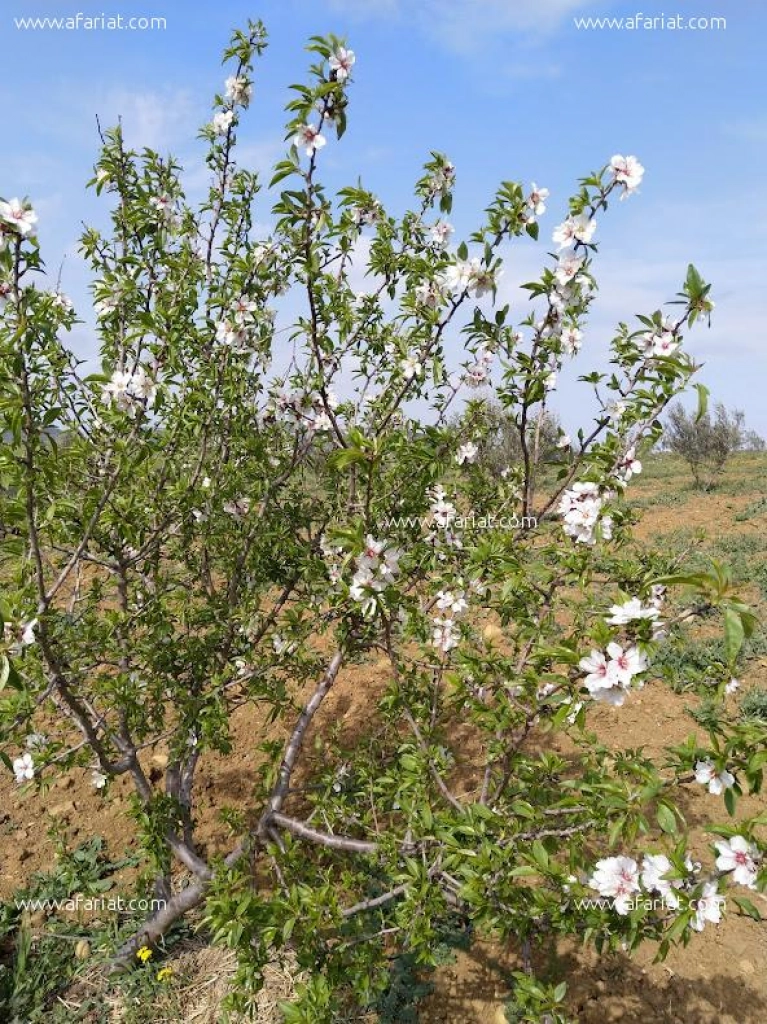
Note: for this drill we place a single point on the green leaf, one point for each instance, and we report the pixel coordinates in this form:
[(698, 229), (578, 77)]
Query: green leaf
[(666, 819), (703, 396), (734, 634), (729, 801), (747, 907)]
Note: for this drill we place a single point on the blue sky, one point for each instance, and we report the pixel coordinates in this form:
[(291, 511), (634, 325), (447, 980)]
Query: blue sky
[(510, 89)]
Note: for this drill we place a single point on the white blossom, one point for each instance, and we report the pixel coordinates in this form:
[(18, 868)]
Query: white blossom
[(21, 218), (708, 907), (655, 867), (578, 228), (630, 611), (616, 878), (739, 856), (571, 340), (98, 779), (411, 367), (707, 775), (222, 121), (444, 636), (238, 90), (341, 62), (238, 508), (536, 200), (628, 172), (455, 603), (440, 233), (310, 138), (568, 265), (466, 453), (24, 768), (129, 390)]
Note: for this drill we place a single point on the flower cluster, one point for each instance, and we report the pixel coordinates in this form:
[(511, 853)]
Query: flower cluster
[(239, 91), (440, 233), (466, 453), (295, 408), (471, 276), (236, 328), (662, 341), (621, 878), (581, 509), (609, 675), (443, 514), (445, 627), (130, 391), (222, 121), (478, 372), (375, 569), (575, 230)]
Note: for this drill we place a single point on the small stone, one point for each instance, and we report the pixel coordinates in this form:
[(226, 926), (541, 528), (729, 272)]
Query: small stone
[(63, 809)]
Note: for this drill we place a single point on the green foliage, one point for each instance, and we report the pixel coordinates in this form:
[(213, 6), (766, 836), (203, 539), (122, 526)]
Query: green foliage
[(245, 509), (707, 444), (753, 703)]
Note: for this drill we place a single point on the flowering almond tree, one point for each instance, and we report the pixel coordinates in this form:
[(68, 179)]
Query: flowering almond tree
[(244, 504)]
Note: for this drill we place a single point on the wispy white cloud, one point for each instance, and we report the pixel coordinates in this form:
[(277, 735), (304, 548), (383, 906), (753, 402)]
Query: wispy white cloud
[(157, 120), (466, 25)]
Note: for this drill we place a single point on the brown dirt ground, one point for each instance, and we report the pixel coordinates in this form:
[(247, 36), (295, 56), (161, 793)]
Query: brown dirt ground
[(720, 978)]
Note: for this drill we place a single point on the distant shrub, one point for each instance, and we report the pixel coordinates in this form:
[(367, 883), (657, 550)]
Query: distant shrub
[(754, 703), (499, 440), (706, 442)]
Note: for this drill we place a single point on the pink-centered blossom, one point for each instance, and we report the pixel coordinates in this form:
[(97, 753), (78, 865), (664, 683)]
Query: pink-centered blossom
[(616, 878), (628, 172), (309, 138), (575, 229), (738, 856), (341, 63), (536, 200), (18, 216)]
